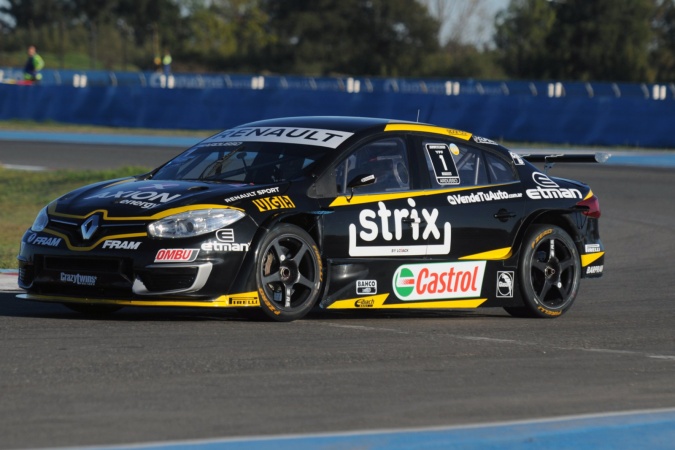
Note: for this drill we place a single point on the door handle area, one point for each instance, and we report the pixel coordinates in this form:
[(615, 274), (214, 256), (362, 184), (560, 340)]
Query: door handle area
[(504, 215)]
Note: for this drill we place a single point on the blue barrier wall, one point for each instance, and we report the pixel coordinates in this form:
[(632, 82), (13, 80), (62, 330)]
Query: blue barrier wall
[(516, 112)]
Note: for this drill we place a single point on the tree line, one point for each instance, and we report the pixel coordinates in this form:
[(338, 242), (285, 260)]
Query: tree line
[(598, 40)]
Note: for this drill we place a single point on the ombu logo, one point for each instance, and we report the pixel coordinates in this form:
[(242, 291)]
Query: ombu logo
[(176, 254), (439, 280)]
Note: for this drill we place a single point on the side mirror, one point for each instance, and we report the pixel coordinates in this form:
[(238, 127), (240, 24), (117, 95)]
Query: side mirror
[(358, 182), (361, 180)]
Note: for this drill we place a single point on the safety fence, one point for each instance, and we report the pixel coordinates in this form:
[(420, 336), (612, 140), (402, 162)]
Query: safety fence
[(630, 114)]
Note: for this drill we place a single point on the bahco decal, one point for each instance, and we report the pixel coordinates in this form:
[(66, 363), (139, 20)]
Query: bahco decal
[(439, 281)]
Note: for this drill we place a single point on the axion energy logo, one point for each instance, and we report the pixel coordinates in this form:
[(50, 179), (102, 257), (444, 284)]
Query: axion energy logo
[(439, 280)]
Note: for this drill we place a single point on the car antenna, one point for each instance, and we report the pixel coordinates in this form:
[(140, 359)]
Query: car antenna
[(418, 115)]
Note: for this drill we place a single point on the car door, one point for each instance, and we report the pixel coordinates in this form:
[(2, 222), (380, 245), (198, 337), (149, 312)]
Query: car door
[(477, 192), (378, 220)]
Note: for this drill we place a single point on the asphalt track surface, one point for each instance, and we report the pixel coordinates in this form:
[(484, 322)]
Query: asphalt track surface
[(147, 375)]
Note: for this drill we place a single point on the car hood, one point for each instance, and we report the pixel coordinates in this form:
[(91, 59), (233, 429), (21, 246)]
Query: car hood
[(132, 197)]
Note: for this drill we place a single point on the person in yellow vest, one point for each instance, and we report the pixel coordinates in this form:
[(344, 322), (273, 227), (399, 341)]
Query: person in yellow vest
[(166, 63), (34, 64)]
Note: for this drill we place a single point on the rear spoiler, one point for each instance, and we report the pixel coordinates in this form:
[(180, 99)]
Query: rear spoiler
[(551, 159)]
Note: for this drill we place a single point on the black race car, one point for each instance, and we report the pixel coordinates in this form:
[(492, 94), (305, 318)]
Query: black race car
[(341, 212)]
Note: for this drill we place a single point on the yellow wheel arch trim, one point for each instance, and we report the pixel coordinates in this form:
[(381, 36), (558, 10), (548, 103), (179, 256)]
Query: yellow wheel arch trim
[(492, 255), (428, 129), (243, 300), (377, 302)]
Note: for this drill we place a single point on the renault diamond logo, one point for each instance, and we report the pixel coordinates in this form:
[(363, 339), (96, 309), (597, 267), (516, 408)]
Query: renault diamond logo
[(89, 227)]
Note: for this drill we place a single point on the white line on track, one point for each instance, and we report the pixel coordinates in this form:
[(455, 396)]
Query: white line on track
[(498, 341)]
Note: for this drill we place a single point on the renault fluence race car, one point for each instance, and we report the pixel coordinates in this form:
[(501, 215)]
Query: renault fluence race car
[(338, 212)]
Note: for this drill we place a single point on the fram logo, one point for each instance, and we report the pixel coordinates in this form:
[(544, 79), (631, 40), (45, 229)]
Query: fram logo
[(439, 281)]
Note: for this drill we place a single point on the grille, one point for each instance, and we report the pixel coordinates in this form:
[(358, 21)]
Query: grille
[(26, 275), (169, 279), (97, 265), (72, 230)]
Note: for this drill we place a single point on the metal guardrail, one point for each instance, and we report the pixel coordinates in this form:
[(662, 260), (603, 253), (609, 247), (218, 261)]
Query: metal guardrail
[(451, 87)]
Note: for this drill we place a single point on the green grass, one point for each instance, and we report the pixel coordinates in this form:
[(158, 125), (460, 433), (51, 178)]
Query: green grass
[(23, 194)]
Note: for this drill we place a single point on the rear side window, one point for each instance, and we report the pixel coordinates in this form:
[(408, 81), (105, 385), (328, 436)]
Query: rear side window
[(452, 165)]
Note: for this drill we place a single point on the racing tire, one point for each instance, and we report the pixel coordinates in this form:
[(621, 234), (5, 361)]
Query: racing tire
[(549, 273), (288, 273), (93, 310)]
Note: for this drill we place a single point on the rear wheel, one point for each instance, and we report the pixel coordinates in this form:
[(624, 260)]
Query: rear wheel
[(289, 273), (549, 273)]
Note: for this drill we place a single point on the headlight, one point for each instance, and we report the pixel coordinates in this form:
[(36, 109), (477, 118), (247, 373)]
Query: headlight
[(41, 221), (193, 223)]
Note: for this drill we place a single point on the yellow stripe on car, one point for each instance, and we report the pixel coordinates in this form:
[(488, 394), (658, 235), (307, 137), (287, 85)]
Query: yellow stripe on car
[(377, 302), (243, 300), (428, 129)]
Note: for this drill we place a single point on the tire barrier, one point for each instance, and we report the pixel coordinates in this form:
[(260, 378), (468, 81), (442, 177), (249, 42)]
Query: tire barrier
[(605, 114)]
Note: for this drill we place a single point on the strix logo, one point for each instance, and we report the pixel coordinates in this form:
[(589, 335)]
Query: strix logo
[(505, 284), (177, 255), (366, 287), (89, 227), (395, 226), (439, 280)]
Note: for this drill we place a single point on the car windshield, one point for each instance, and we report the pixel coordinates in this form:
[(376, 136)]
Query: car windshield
[(242, 162)]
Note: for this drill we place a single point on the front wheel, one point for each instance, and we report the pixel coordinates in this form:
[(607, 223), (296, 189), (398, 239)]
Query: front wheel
[(289, 273), (549, 273)]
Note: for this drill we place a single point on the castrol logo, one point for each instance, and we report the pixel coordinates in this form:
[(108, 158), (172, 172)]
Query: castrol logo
[(439, 281)]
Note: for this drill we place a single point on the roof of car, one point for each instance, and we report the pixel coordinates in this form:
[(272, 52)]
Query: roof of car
[(356, 124)]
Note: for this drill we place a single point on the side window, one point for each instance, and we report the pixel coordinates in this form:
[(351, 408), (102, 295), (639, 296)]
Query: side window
[(386, 159), (500, 171), (463, 165)]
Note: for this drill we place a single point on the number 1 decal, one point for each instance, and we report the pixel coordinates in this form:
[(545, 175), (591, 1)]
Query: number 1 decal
[(445, 169)]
